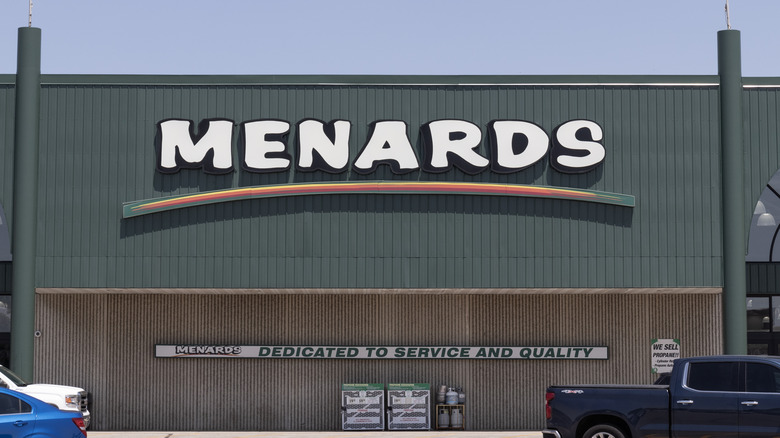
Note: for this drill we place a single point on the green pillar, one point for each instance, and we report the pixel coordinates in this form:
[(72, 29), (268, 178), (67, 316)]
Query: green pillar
[(25, 201), (733, 188)]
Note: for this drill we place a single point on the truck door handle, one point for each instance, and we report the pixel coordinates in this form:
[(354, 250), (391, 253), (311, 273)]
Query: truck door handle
[(685, 402), (750, 403)]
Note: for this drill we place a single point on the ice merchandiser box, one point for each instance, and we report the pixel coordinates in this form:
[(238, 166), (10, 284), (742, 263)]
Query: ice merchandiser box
[(408, 406), (363, 406)]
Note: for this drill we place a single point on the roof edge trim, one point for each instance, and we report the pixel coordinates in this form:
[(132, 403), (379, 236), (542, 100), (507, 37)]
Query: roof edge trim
[(372, 291), (383, 80), (400, 80)]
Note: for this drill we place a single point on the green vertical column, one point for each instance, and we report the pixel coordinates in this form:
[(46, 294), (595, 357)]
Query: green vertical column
[(25, 202), (733, 188)]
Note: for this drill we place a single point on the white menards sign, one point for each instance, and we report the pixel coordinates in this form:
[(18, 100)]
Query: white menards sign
[(378, 352), (575, 146), (263, 146)]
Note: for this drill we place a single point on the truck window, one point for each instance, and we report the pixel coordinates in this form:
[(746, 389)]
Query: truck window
[(713, 376), (761, 377), (18, 381)]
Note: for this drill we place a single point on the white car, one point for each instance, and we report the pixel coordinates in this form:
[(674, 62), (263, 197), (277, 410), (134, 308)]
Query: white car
[(65, 398)]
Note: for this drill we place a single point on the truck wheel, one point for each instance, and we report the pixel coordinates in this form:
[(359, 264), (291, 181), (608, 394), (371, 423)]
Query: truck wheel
[(603, 431)]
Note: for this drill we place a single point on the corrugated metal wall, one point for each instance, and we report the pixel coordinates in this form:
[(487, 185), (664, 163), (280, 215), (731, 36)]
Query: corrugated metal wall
[(762, 146), (762, 140), (97, 138), (97, 151), (763, 278), (131, 389), (7, 109)]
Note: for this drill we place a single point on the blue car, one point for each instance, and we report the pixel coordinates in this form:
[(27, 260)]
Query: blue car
[(22, 416)]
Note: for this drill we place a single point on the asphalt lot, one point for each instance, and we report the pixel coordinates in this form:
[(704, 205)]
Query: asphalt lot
[(328, 434)]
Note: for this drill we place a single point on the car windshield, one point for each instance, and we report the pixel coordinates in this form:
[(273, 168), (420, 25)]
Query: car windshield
[(18, 381)]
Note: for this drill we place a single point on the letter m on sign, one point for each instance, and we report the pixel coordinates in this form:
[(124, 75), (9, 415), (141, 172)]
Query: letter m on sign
[(179, 147)]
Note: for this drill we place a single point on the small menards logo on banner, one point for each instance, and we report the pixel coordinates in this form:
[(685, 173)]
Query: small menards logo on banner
[(379, 352)]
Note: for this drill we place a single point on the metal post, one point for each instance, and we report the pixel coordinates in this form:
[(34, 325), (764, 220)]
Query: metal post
[(25, 201), (733, 188)]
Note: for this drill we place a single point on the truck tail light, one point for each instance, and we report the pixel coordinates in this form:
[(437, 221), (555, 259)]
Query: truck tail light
[(547, 408), (79, 422)]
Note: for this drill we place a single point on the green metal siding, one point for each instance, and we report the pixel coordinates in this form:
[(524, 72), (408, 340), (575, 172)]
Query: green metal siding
[(762, 145), (97, 151), (763, 278), (7, 108), (761, 109)]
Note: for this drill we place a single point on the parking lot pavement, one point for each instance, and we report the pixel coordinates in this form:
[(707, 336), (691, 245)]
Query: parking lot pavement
[(329, 434)]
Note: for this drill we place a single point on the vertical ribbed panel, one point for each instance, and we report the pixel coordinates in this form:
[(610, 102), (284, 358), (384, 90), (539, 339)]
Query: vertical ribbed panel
[(98, 151), (763, 278), (7, 108), (113, 337), (761, 108), (762, 137)]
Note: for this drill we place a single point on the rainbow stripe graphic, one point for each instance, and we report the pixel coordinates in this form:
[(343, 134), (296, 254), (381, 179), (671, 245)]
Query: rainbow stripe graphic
[(138, 208)]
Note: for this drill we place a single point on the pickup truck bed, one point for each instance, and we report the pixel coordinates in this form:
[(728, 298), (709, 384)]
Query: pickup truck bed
[(714, 396), (647, 404)]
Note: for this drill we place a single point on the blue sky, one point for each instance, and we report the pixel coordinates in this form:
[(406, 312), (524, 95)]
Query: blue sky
[(391, 37)]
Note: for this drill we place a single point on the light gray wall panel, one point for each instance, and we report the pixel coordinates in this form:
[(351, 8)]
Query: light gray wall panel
[(105, 343)]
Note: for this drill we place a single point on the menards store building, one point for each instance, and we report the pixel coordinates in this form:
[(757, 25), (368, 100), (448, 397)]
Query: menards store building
[(224, 252)]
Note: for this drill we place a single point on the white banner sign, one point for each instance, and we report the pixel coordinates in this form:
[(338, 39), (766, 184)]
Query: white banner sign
[(378, 352), (663, 353)]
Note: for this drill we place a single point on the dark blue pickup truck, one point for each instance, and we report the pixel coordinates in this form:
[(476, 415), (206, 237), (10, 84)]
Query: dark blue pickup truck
[(714, 397)]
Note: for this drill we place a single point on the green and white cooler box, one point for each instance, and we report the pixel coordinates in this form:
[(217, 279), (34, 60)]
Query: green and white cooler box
[(362, 406), (409, 406)]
